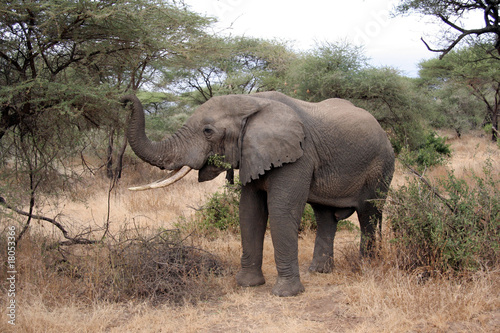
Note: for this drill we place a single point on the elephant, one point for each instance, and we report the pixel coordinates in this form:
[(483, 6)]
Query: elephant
[(332, 155)]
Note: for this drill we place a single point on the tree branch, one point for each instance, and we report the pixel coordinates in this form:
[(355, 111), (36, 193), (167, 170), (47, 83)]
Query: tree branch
[(429, 186), (491, 26), (71, 240)]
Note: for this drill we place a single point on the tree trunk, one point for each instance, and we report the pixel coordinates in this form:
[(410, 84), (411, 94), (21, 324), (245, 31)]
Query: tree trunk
[(494, 127), (119, 158), (109, 163)]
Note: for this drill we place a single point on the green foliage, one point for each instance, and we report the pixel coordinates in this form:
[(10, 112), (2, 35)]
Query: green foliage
[(221, 212), (63, 65), (328, 71), (347, 225), (465, 86), (164, 123), (457, 229), (218, 162), (308, 219), (455, 108), (165, 113), (488, 129), (395, 102), (231, 65), (433, 151)]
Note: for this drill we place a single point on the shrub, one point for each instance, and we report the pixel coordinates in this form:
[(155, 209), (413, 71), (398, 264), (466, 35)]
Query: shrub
[(308, 221), (221, 212), (458, 230), (433, 151), (162, 269), (136, 265)]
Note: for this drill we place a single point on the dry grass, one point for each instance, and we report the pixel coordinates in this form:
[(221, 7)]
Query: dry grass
[(469, 154), (357, 297)]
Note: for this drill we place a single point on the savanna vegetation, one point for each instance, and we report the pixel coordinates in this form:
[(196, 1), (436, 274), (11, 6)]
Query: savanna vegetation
[(90, 256)]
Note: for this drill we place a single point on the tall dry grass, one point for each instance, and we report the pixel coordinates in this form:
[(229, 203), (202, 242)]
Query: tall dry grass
[(359, 296)]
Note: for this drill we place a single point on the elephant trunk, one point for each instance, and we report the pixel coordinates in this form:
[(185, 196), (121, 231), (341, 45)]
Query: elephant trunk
[(164, 154)]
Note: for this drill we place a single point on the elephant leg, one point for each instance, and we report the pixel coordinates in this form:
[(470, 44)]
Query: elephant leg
[(284, 224), (369, 218), (253, 223), (287, 195), (323, 247)]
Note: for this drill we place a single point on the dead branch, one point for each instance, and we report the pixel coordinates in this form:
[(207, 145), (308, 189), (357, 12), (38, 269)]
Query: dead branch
[(429, 186), (70, 240), (433, 190)]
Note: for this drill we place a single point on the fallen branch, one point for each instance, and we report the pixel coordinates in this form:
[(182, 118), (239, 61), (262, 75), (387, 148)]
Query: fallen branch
[(70, 240)]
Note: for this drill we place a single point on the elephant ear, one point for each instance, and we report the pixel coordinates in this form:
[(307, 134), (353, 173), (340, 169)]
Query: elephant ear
[(271, 137)]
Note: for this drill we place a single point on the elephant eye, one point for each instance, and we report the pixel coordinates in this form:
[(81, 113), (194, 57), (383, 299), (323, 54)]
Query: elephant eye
[(208, 131)]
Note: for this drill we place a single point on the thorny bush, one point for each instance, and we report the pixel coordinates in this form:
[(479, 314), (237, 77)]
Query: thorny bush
[(454, 227), (157, 267)]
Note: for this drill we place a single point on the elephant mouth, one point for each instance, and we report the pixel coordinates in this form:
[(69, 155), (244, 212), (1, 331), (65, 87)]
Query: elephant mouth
[(171, 178)]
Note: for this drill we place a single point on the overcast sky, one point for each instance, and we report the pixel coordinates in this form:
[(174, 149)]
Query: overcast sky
[(388, 41)]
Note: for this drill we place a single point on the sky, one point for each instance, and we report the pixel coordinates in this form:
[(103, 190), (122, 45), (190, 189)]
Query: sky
[(387, 41)]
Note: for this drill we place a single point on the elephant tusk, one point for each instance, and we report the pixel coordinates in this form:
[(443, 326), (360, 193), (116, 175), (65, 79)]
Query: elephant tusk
[(169, 180)]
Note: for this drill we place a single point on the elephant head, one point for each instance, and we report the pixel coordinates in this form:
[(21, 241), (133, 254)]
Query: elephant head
[(248, 133)]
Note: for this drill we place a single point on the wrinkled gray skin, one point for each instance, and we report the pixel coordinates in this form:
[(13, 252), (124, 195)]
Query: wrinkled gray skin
[(331, 154)]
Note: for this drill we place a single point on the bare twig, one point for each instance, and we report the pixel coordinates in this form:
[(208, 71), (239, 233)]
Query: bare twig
[(70, 240), (429, 186), (112, 185), (433, 190)]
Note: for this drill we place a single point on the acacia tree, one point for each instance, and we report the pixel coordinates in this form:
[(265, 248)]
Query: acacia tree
[(230, 65), (341, 70), (454, 107), (62, 66), (469, 69), (327, 71), (452, 13)]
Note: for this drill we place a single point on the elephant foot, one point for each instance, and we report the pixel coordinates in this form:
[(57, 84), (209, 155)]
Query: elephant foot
[(250, 278), (322, 266), (286, 287)]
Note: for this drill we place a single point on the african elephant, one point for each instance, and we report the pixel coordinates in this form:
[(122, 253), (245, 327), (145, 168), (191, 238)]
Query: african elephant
[(331, 154)]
